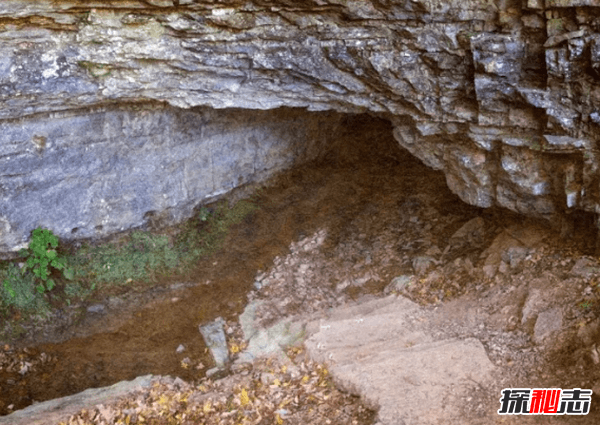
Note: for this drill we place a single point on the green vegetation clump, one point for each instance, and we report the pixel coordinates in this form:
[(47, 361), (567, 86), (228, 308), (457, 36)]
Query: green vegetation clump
[(140, 257), (18, 291), (144, 255), (41, 255), (23, 286), (206, 233)]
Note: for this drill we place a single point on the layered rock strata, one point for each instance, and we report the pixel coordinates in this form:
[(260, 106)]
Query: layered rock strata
[(501, 95), (93, 173)]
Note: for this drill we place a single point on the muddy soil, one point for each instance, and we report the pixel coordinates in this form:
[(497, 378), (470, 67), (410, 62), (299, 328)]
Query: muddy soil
[(357, 175), (365, 187)]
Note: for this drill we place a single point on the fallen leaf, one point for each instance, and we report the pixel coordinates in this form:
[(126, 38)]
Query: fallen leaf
[(244, 399)]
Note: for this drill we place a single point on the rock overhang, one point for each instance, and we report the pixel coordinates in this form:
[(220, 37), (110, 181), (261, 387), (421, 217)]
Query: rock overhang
[(501, 96)]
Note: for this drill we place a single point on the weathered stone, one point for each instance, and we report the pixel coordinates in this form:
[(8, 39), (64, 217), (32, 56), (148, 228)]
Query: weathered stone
[(214, 337), (96, 308), (493, 254), (547, 323), (532, 305), (60, 409), (90, 174), (478, 89), (399, 284), (514, 255), (585, 268), (378, 350), (423, 264), (470, 235)]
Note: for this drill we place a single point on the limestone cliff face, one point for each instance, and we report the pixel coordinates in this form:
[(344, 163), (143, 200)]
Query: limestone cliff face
[(501, 95)]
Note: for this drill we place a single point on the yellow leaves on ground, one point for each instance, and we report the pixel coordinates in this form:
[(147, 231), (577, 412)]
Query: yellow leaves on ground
[(298, 394), (244, 399)]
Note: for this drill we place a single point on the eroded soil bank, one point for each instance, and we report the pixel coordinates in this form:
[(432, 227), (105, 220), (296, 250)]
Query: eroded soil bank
[(385, 215)]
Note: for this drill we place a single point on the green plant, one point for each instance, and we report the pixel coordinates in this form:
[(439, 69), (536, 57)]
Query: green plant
[(41, 256), (205, 237), (75, 290), (18, 290), (143, 255)]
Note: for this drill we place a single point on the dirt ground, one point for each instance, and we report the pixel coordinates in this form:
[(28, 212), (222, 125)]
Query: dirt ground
[(384, 215)]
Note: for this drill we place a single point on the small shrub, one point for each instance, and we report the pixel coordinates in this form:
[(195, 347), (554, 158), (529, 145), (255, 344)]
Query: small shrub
[(41, 255)]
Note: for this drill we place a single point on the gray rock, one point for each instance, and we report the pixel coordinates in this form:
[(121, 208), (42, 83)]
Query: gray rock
[(585, 268), (376, 350), (514, 256), (423, 264), (503, 267), (273, 340), (214, 337), (248, 321), (399, 284), (96, 308), (534, 301), (57, 410), (472, 232), (547, 323), (494, 253), (470, 236), (490, 270), (123, 167), (467, 90), (267, 341), (212, 372)]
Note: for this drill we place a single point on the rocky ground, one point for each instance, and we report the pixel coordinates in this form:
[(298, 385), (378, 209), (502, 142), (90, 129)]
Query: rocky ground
[(524, 297), (406, 297)]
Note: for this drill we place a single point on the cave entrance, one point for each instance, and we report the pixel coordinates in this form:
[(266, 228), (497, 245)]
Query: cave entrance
[(379, 206)]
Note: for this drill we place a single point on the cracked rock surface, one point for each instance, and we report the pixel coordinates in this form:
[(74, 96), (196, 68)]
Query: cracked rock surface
[(501, 95)]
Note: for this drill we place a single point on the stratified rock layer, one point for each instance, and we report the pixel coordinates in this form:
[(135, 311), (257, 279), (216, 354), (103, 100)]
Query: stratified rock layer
[(118, 167), (501, 95)]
